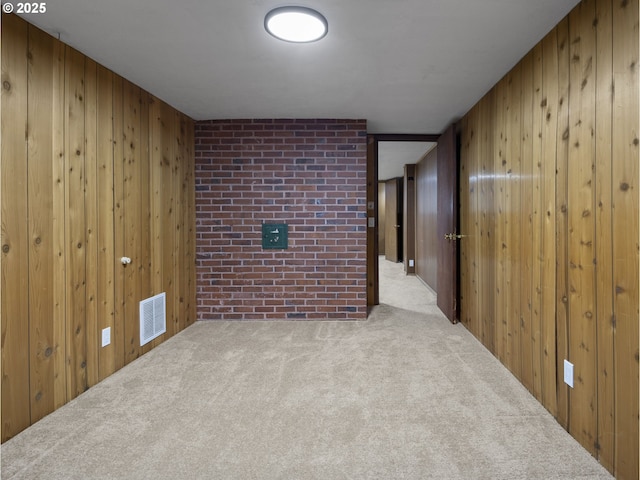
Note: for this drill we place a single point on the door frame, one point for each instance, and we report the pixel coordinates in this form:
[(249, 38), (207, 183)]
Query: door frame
[(373, 277)]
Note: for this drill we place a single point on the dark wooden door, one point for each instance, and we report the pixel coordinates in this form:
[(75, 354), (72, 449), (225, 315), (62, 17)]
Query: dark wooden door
[(448, 272), (393, 220)]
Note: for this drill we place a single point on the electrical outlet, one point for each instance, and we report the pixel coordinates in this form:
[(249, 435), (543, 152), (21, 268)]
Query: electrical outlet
[(568, 373), (411, 263), (106, 336)]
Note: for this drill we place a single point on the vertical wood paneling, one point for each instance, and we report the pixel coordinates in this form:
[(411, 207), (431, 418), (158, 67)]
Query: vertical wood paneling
[(526, 223), (133, 218), (118, 333), (104, 184), (468, 290), (550, 108), (179, 224), (157, 189), (577, 261), (581, 198), (91, 218), (538, 220), (41, 234), (59, 315), (168, 214), (488, 238), (604, 248), (426, 213), (474, 147), (512, 225), (58, 213), (144, 196), (478, 232), (189, 213), (381, 219), (76, 356), (501, 223), (69, 213), (562, 229), (409, 224), (15, 235), (625, 234)]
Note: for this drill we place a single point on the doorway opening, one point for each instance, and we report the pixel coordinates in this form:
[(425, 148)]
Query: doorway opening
[(403, 216), (397, 159)]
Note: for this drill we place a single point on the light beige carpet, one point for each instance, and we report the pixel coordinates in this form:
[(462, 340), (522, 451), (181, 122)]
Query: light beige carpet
[(403, 395)]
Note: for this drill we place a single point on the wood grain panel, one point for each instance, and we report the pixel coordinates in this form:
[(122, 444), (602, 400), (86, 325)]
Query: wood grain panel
[(381, 217), (157, 191), (392, 235), (581, 211), (538, 219), (468, 290), (59, 314), (144, 205), (177, 181), (133, 218), (426, 218), (42, 353), (527, 213), (106, 261), (76, 351), (488, 220), (605, 444), (64, 220), (513, 220), (501, 222), (409, 219), (578, 187), (550, 108), (91, 218), (15, 233), (562, 230), (168, 133), (118, 333), (189, 214), (625, 234)]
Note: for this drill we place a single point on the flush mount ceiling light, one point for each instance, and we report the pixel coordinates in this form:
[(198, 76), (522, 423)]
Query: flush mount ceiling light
[(296, 24)]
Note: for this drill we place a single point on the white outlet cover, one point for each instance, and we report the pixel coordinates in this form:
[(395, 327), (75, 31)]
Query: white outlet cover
[(106, 336), (568, 373), (411, 263)]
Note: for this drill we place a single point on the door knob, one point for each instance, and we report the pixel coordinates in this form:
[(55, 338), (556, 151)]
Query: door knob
[(453, 236), (125, 260)]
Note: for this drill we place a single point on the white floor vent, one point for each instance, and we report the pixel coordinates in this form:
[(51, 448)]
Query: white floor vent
[(153, 318)]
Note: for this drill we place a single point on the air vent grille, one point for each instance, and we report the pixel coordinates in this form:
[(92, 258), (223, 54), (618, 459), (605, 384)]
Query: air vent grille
[(153, 319)]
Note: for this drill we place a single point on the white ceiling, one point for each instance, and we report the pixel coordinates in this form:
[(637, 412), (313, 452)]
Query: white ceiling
[(406, 66), (393, 156)]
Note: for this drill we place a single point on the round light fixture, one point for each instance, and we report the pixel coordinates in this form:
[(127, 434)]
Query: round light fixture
[(296, 24)]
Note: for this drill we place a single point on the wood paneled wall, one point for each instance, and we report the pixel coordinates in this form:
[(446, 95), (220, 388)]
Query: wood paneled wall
[(409, 219), (381, 217), (93, 168), (549, 182), (427, 219)]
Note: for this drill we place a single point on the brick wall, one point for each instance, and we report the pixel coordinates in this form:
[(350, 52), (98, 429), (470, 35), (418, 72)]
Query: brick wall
[(309, 174)]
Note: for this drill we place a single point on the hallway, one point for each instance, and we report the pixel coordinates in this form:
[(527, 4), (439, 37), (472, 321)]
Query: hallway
[(404, 291)]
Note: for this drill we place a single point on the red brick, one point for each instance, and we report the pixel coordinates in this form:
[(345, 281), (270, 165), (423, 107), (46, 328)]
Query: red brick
[(310, 174)]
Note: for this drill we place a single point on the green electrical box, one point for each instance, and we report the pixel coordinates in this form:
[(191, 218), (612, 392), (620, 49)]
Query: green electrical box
[(275, 236)]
